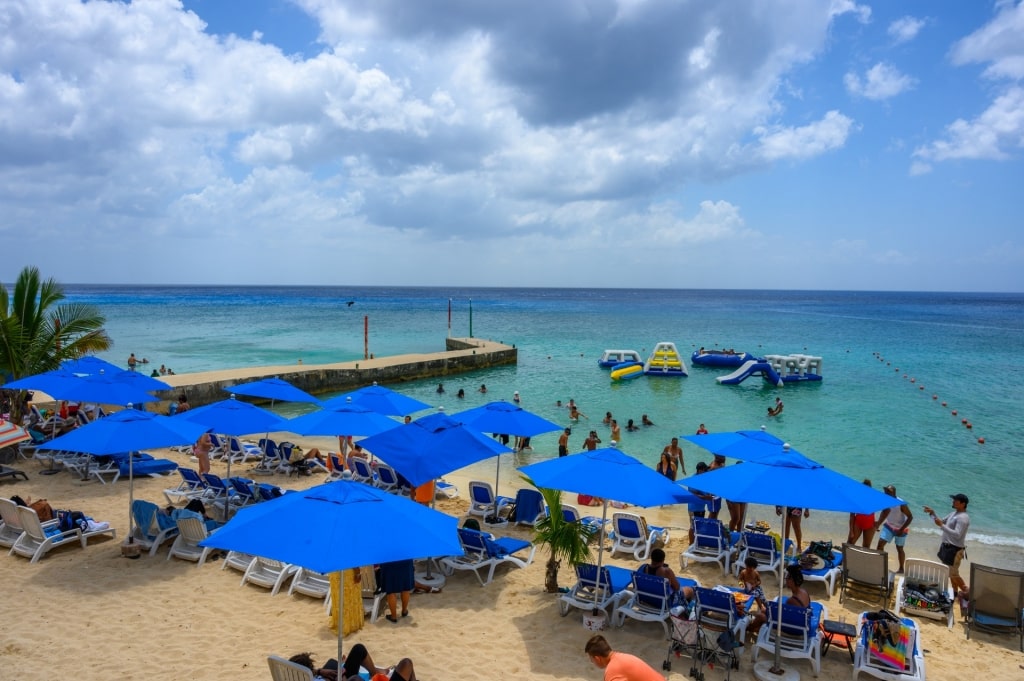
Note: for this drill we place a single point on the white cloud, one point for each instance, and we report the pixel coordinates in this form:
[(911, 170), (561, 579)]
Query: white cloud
[(806, 141), (861, 12), (1000, 41), (881, 81), (994, 135), (905, 29)]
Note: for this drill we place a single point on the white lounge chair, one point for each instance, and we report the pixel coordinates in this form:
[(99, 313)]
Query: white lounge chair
[(285, 670), (898, 659), (921, 579), (372, 600), (712, 544), (147, 530), (650, 600), (311, 583), (633, 535), (482, 501), (865, 571), (236, 560), (268, 573), (36, 540), (800, 638), (483, 552), (186, 546), (604, 590)]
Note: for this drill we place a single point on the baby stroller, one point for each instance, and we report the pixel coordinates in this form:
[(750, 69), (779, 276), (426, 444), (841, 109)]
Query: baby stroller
[(713, 636), (685, 640)]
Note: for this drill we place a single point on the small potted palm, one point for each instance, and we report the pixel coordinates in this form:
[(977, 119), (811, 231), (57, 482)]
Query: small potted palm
[(566, 541)]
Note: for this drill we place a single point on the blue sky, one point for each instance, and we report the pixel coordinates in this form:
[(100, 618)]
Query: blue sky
[(784, 144)]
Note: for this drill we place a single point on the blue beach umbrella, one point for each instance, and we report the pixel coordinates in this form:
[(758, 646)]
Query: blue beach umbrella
[(89, 365), (745, 445), (608, 473), (128, 430), (431, 446), (233, 417), (341, 419), (273, 389), (507, 418), (379, 399), (319, 528), (139, 380), (64, 385), (792, 480)]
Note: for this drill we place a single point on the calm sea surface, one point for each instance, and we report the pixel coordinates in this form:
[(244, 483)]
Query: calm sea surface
[(866, 419)]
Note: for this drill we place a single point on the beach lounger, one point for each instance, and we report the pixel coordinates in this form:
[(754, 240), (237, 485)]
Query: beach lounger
[(372, 598), (604, 590), (529, 507), (918, 589), (996, 601), (826, 574), (10, 523), (268, 573), (186, 546), (310, 583), (284, 670), (443, 489), (801, 637), (712, 544), (889, 652), (482, 501), (37, 540), (387, 479), (633, 535), (761, 546), (191, 487), (12, 473), (337, 468), (236, 560), (151, 528), (865, 571), (481, 552), (649, 600), (361, 471)]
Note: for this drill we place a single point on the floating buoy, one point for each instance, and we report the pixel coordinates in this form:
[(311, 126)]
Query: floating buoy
[(920, 387), (954, 412), (981, 440), (935, 397), (904, 375), (913, 380), (943, 404), (968, 424), (963, 421)]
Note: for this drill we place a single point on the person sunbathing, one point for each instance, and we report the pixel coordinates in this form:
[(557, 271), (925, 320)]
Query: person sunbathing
[(359, 656)]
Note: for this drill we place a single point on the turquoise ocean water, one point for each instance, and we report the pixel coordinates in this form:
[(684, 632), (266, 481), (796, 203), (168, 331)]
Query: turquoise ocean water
[(865, 418)]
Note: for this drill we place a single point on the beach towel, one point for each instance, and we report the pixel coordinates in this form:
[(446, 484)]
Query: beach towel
[(888, 644)]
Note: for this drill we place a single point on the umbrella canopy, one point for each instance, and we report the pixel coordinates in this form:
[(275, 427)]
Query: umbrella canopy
[(341, 419), (64, 385), (790, 479), (379, 399), (273, 389), (431, 446), (745, 445), (234, 417), (89, 366), (128, 430), (608, 473), (11, 434), (504, 417), (139, 380), (319, 528)]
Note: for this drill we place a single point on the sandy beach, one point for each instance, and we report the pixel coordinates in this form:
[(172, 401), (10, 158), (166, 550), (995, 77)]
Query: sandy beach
[(92, 614)]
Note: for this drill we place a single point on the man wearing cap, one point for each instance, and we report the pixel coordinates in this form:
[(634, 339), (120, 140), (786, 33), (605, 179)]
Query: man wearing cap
[(954, 536)]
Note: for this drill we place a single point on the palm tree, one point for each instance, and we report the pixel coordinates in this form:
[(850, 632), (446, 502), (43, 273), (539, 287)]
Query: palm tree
[(38, 332), (565, 540)]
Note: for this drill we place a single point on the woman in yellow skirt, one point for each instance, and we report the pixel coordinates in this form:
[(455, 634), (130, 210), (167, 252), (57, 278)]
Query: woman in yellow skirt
[(351, 597)]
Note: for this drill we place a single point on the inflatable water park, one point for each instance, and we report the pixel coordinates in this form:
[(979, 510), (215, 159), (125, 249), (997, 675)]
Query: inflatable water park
[(720, 358), (777, 370), (665, 361), (612, 358)]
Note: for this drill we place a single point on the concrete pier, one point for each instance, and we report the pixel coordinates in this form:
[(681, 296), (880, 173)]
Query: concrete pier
[(460, 356)]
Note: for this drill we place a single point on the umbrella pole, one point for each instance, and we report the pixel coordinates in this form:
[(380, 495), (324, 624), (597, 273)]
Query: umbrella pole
[(777, 664), (341, 612), (600, 553), (131, 499)]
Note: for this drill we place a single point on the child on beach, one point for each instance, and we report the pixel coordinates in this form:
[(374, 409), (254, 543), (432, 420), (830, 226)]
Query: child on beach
[(750, 581)]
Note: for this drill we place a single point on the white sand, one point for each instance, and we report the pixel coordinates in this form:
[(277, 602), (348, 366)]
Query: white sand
[(93, 615)]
